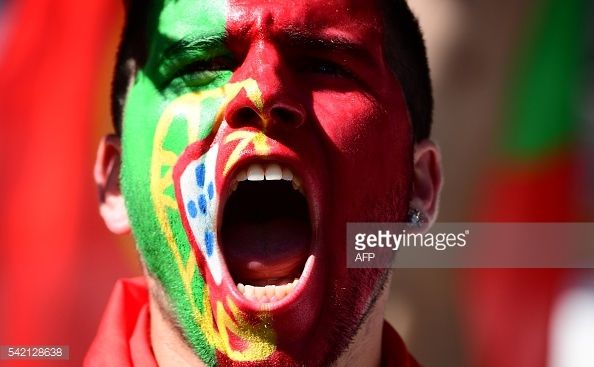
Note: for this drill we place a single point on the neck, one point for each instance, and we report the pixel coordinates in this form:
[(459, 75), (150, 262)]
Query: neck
[(366, 347)]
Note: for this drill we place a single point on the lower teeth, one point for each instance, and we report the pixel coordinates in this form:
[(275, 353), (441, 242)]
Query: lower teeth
[(269, 293)]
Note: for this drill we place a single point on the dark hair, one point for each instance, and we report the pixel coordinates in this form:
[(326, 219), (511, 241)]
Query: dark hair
[(403, 47), (131, 55), (404, 51)]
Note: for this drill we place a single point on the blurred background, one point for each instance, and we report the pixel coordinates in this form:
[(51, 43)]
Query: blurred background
[(514, 116)]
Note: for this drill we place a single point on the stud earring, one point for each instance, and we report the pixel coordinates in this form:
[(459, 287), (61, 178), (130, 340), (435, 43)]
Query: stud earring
[(415, 217)]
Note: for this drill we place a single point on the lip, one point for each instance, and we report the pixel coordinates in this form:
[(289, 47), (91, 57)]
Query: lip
[(311, 191)]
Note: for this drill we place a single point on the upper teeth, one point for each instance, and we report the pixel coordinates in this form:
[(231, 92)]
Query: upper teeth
[(270, 172)]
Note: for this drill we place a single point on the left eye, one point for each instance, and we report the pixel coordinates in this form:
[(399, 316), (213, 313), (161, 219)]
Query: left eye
[(319, 66)]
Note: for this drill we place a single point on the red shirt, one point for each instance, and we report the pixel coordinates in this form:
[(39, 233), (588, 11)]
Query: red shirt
[(123, 338)]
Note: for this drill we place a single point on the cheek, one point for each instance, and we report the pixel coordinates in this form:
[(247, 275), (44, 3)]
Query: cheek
[(370, 151), (363, 135), (344, 117)]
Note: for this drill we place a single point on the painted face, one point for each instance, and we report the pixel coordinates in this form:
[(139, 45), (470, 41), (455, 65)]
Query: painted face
[(253, 133)]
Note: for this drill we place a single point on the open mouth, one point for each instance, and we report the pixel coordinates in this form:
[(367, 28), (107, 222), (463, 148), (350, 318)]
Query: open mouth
[(266, 231)]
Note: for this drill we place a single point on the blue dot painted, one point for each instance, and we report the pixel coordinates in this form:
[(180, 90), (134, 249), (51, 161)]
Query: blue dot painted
[(192, 209), (200, 173), (202, 204), (208, 242), (210, 191)]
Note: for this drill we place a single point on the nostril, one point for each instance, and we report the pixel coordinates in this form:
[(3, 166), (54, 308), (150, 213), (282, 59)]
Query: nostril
[(286, 116), (244, 114), (247, 116)]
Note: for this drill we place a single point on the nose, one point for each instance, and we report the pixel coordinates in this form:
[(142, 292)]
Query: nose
[(278, 105)]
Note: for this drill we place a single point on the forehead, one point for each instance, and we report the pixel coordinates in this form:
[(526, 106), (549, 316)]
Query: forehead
[(355, 19)]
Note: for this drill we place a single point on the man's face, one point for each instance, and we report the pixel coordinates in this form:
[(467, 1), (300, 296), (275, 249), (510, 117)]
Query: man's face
[(254, 132)]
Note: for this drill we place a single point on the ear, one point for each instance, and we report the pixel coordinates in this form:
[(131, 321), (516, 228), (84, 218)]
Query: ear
[(427, 180), (107, 177)]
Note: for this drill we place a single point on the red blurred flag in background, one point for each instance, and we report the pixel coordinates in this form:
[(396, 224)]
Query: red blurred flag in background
[(58, 262)]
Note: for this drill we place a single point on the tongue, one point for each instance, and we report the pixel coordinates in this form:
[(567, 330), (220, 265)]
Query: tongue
[(266, 252)]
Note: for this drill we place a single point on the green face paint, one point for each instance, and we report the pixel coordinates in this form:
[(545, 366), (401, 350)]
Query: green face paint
[(174, 107), (165, 247)]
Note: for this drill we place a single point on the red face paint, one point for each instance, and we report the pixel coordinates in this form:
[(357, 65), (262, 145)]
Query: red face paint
[(328, 109)]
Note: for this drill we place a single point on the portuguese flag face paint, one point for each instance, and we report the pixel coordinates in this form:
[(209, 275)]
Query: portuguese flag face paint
[(165, 112), (300, 94)]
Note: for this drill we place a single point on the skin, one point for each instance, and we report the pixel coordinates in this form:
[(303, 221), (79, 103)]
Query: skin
[(226, 84)]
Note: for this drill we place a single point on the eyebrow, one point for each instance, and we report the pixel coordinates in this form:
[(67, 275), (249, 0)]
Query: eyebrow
[(316, 42), (193, 44)]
